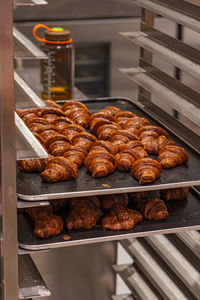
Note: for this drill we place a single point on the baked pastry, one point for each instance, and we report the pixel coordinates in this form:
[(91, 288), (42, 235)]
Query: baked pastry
[(70, 104), (46, 132), (172, 156), (151, 131), (76, 155), (36, 123), (111, 110), (39, 211), (85, 213), (59, 204), (153, 209), (61, 122), (78, 112), (59, 168), (122, 117), (105, 114), (104, 145), (84, 140), (33, 165), (57, 144), (98, 122), (137, 196), (105, 131), (153, 145), (110, 201), (72, 130), (130, 145), (136, 123), (175, 194), (50, 113), (120, 137), (100, 163), (121, 218), (146, 170), (125, 159), (52, 103), (27, 114)]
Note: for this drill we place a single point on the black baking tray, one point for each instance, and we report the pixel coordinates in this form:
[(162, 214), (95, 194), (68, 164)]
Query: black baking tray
[(30, 186), (183, 215)]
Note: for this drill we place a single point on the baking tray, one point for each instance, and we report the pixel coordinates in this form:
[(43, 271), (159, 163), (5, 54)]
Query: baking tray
[(30, 186), (183, 215)]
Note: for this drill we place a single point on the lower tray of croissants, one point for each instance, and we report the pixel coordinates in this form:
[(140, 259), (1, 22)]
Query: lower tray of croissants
[(117, 140), (111, 212)]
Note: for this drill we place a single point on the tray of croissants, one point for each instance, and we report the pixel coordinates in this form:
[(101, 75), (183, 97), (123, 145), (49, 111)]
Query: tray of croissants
[(102, 146), (78, 220)]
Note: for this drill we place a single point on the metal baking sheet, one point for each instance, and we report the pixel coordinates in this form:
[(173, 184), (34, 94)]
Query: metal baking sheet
[(30, 186), (183, 215)]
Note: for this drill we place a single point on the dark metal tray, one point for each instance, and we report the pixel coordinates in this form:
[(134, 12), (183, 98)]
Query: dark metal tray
[(183, 215), (30, 187)]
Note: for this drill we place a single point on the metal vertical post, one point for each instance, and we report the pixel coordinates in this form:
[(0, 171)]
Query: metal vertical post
[(8, 214)]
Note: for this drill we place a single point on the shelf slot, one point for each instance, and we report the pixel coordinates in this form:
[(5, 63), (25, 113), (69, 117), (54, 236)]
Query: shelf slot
[(191, 240), (25, 97), (29, 2), (31, 284), (135, 282), (174, 51), (24, 48), (160, 84), (179, 11), (176, 261), (152, 270), (27, 146), (26, 204), (123, 297)]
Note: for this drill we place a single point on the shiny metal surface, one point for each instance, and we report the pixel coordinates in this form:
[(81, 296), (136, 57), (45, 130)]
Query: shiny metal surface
[(27, 146), (24, 48), (8, 216), (31, 284), (29, 2), (123, 297), (159, 86), (179, 11), (25, 204)]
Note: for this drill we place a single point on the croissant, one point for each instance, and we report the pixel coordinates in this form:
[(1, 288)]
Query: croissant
[(137, 196), (85, 213), (61, 122), (171, 156), (153, 209), (33, 165), (76, 154), (105, 131), (80, 116), (100, 163), (175, 194), (151, 130), (146, 170), (110, 201), (130, 145), (111, 110), (46, 132), (48, 226), (122, 137), (153, 145), (95, 124), (52, 103), (101, 114), (123, 116), (104, 145), (73, 104), (125, 159), (121, 218), (39, 211), (51, 113), (59, 168), (57, 145), (71, 130), (136, 123), (37, 123), (39, 138), (84, 140), (27, 114)]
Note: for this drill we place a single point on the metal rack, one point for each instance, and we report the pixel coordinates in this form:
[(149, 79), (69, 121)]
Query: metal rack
[(147, 76)]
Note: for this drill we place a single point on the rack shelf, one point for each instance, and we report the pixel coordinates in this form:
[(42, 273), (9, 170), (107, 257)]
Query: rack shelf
[(24, 48), (29, 2), (25, 204)]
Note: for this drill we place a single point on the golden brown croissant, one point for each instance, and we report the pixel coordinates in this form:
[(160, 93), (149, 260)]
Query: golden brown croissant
[(48, 226), (130, 145), (101, 114), (70, 104), (153, 145), (39, 138), (137, 196), (171, 156), (61, 122), (151, 130), (136, 123), (121, 218), (71, 130), (47, 131), (123, 136), (57, 144), (153, 209), (52, 103), (84, 140), (122, 117), (175, 194), (146, 170), (39, 211), (35, 124), (100, 163), (109, 201), (85, 213), (111, 110), (104, 145), (80, 116), (95, 124), (59, 168), (105, 131), (33, 165), (76, 154), (27, 114), (125, 159), (51, 113)]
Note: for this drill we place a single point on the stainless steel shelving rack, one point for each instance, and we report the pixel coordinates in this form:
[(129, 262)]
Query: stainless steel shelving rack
[(14, 285)]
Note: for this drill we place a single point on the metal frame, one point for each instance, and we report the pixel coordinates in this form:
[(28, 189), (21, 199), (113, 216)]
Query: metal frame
[(8, 220)]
